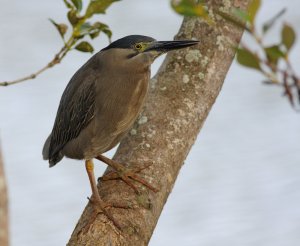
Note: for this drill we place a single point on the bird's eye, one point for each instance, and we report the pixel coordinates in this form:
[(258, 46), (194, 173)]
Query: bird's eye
[(138, 46)]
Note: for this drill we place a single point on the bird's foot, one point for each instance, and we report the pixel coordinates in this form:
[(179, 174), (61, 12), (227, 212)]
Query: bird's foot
[(128, 175), (100, 206)]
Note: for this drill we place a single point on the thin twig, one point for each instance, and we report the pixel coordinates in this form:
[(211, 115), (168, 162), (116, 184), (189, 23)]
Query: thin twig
[(57, 59)]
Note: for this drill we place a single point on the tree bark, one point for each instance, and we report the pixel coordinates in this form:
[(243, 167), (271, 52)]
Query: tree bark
[(181, 96), (3, 207)]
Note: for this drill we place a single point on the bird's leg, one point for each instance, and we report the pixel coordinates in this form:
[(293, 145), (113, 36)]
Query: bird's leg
[(125, 174), (99, 205)]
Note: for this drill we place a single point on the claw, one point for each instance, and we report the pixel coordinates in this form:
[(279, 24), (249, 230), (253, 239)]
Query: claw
[(127, 176), (100, 207)]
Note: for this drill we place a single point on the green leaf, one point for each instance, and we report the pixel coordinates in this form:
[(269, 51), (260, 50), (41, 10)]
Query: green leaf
[(273, 54), (267, 25), (72, 16), (92, 30), (108, 33), (252, 9), (77, 4), (61, 28), (191, 8), (68, 4), (288, 36), (94, 34), (84, 47), (233, 19), (98, 7), (85, 28), (248, 59), (241, 15), (100, 27)]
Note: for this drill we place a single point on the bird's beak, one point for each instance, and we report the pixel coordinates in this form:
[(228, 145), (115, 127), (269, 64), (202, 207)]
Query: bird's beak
[(165, 46)]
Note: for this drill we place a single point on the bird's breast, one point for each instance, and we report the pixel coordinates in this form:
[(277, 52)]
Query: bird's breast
[(130, 110), (118, 105)]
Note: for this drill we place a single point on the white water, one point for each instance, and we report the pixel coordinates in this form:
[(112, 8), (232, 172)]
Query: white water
[(240, 184)]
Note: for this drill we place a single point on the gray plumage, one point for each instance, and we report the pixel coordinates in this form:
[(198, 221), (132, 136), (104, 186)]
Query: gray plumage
[(75, 112), (104, 98)]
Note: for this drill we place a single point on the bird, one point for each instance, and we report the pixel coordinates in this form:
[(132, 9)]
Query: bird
[(101, 103)]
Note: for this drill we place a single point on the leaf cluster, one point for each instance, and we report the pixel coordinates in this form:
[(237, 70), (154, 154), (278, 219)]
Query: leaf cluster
[(272, 60), (80, 27), (192, 8), (80, 24)]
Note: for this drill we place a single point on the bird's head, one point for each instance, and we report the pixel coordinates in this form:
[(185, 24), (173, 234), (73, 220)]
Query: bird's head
[(143, 48)]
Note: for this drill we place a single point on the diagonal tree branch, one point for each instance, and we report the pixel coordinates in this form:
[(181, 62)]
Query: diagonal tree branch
[(181, 96)]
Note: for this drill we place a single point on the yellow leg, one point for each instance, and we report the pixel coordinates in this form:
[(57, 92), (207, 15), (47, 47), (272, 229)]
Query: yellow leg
[(89, 165), (96, 199)]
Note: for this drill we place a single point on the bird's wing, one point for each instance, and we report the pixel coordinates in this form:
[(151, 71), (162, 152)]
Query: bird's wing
[(75, 111)]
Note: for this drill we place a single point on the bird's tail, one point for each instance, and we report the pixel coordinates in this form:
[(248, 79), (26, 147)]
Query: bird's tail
[(52, 159), (46, 148)]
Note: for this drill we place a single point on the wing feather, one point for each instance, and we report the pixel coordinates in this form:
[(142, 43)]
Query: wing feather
[(75, 112)]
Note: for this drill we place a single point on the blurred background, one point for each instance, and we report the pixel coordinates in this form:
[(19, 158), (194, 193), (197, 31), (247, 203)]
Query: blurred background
[(240, 184)]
